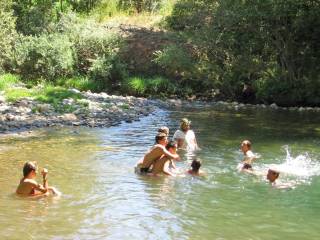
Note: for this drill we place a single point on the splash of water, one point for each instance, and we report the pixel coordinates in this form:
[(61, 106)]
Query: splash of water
[(302, 166)]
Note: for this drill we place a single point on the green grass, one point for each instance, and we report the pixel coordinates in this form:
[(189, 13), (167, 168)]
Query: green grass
[(80, 83), (8, 80)]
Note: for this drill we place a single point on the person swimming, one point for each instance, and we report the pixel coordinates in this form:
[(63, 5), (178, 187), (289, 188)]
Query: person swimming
[(28, 186), (155, 153), (195, 168)]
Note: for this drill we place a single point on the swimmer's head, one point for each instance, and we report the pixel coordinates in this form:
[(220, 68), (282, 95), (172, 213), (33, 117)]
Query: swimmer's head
[(164, 129), (195, 165), (272, 175), (29, 167), (185, 124), (245, 146), (161, 138)]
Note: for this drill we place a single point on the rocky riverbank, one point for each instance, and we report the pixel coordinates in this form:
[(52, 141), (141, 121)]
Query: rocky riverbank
[(92, 110)]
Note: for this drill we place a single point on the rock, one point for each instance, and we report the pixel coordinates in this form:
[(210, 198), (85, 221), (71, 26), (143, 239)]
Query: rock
[(2, 99), (69, 117), (274, 106), (42, 108), (301, 109)]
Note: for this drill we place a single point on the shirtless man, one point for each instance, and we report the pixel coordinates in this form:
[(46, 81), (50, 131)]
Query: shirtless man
[(273, 175), (155, 153), (185, 137), (195, 168), (249, 156), (28, 185), (165, 163)]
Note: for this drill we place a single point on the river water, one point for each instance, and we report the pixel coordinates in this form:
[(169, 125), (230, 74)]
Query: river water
[(102, 198)]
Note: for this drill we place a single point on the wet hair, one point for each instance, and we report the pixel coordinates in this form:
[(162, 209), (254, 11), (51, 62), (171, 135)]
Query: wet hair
[(160, 136), (184, 123), (274, 173), (195, 165), (28, 168), (247, 143), (164, 129), (171, 144)]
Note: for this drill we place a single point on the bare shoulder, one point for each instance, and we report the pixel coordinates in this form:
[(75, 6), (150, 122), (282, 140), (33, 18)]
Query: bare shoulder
[(31, 182)]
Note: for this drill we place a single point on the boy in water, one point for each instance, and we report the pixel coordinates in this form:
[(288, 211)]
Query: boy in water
[(185, 137), (164, 129), (155, 153), (273, 175), (165, 164), (249, 156), (28, 185), (195, 168)]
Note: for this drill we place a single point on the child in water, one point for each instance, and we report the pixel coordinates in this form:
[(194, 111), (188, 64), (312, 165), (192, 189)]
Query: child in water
[(155, 153), (272, 177), (28, 186), (249, 156), (195, 168)]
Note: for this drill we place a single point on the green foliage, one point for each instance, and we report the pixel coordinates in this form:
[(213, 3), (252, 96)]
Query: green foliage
[(45, 56), (272, 45), (8, 80), (7, 34), (80, 83), (156, 86)]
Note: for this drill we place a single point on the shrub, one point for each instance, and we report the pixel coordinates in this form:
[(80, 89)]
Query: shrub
[(45, 56), (8, 34)]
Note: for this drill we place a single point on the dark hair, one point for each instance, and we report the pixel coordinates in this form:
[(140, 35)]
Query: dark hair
[(196, 164), (171, 144), (28, 168), (273, 172), (160, 136)]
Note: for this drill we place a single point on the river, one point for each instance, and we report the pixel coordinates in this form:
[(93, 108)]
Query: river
[(102, 197)]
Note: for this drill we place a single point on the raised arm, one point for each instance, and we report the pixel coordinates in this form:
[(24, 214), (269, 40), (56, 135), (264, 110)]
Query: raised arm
[(169, 154), (166, 168)]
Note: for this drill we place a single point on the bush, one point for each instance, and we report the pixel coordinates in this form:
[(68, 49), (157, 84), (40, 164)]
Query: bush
[(45, 56), (8, 34)]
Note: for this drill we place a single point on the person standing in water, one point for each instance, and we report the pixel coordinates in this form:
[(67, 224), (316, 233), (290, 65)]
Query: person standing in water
[(185, 137), (165, 164), (164, 129), (249, 156), (155, 153), (28, 186)]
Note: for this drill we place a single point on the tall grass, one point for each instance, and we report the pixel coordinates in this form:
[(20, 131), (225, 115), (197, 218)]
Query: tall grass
[(8, 80)]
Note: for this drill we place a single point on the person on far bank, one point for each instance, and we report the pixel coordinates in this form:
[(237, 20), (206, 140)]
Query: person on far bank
[(156, 152), (28, 186), (185, 137)]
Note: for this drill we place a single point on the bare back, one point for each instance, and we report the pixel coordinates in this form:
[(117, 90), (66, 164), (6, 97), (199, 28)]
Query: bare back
[(152, 155)]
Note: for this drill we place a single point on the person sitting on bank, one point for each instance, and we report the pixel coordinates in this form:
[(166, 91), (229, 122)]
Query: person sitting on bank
[(164, 129), (165, 165), (249, 156), (185, 137), (155, 153), (28, 186), (195, 168)]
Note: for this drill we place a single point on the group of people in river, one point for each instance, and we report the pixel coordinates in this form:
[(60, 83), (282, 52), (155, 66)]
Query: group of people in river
[(159, 160)]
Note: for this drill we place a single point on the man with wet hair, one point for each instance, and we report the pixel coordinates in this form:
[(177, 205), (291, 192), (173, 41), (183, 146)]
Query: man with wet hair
[(155, 153), (165, 163), (28, 185)]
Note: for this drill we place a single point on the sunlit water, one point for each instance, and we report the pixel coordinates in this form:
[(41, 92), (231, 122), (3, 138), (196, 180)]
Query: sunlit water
[(102, 198)]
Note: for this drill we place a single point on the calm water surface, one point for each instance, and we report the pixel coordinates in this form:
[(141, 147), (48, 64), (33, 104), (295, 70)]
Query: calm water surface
[(103, 199)]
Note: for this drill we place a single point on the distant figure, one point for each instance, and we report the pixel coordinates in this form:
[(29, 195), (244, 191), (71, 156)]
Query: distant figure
[(28, 185), (165, 164), (164, 129), (195, 168), (249, 156), (155, 153), (273, 175), (185, 137), (248, 94)]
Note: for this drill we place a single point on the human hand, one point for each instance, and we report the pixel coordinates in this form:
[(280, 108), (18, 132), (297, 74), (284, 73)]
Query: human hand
[(44, 172)]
